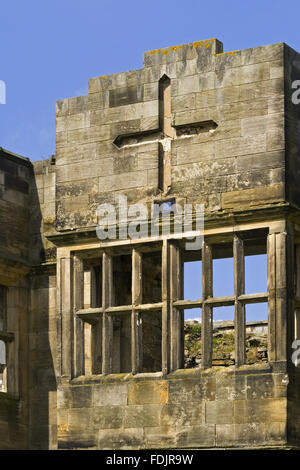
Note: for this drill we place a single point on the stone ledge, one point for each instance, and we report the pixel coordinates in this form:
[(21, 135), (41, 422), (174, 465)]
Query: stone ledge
[(195, 373)]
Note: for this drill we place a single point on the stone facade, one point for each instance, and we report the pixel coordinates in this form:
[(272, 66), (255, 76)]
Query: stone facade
[(94, 329)]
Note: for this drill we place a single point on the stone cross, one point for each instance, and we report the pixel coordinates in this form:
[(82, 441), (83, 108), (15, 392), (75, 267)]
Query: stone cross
[(164, 135)]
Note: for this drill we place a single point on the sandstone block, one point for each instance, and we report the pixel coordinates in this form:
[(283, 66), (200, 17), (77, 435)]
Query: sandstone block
[(192, 391), (109, 394), (142, 416), (108, 417), (141, 393)]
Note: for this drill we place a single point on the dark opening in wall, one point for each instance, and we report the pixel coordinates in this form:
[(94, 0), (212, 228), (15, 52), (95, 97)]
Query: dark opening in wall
[(151, 277), (151, 341), (92, 283), (121, 343), (122, 269), (3, 302), (96, 295)]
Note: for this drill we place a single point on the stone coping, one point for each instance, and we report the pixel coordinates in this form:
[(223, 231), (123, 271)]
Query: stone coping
[(247, 369)]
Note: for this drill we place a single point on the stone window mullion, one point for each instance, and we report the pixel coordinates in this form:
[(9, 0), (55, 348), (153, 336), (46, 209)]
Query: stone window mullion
[(65, 315), (239, 307), (207, 292), (278, 298), (107, 300), (165, 307), (136, 338)]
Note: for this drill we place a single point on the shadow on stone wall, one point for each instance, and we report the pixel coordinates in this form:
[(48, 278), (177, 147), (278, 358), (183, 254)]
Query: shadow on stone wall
[(42, 329)]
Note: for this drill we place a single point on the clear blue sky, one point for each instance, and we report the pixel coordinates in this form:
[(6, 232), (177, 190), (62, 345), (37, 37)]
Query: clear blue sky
[(49, 50), (255, 282)]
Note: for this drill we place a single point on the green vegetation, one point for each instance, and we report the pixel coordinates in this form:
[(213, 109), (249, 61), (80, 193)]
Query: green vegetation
[(223, 347)]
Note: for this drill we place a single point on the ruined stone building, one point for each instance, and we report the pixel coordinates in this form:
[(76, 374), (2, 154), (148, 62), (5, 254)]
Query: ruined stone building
[(92, 330)]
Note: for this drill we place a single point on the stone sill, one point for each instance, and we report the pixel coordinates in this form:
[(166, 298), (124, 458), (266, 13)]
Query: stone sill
[(124, 377), (181, 374)]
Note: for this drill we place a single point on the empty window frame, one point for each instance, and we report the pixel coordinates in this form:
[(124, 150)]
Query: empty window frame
[(227, 284), (131, 299)]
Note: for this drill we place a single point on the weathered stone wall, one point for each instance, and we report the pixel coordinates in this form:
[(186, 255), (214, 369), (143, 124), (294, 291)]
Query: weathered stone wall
[(293, 406), (42, 211), (42, 314), (239, 164), (42, 343), (14, 405), (28, 410), (292, 124), (15, 174), (189, 410)]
